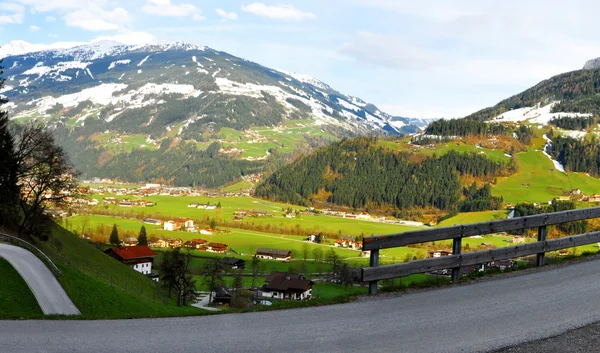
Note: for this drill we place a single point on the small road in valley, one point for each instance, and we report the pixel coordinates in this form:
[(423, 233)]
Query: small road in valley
[(51, 297), (481, 316)]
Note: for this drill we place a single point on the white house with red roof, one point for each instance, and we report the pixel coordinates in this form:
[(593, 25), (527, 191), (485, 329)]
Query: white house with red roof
[(140, 257)]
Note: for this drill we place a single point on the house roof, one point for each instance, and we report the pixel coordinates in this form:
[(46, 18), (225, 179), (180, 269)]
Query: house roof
[(273, 252), (231, 261), (287, 282), (132, 252)]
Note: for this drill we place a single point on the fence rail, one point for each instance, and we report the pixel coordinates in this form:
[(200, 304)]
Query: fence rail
[(374, 273), (39, 253)]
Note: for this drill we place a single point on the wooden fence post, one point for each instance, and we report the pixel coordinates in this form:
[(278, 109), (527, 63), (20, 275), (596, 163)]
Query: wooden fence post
[(456, 248), (373, 262), (542, 232)]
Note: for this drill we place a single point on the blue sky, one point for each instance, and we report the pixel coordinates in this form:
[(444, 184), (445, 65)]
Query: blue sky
[(426, 58)]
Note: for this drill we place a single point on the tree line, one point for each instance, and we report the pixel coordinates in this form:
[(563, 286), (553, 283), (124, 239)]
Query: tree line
[(359, 173), (574, 154), (573, 123)]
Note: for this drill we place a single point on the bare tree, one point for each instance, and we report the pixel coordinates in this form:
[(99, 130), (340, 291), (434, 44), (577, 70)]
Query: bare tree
[(45, 175), (176, 277), (213, 276), (305, 251), (254, 264)]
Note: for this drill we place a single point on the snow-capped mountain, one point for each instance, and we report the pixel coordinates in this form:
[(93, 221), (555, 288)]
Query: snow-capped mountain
[(108, 74)]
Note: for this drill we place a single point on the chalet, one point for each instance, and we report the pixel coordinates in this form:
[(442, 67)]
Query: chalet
[(157, 243), (233, 263), (216, 247), (132, 241), (139, 257), (595, 198), (287, 286), (194, 244), (222, 295), (501, 264), (312, 238), (187, 223), (518, 239), (439, 253), (238, 218), (207, 231), (174, 243), (273, 254), (211, 207)]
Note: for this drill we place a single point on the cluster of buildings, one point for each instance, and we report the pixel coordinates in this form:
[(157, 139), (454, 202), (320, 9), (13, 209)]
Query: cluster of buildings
[(239, 215), (157, 190), (140, 258), (195, 244)]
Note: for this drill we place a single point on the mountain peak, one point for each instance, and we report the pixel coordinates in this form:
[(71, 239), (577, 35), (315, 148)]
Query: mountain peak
[(592, 64)]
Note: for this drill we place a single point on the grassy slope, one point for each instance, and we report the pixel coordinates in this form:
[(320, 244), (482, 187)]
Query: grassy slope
[(17, 299), (102, 287)]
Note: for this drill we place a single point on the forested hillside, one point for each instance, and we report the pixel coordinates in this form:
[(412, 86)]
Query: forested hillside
[(359, 173), (574, 154), (577, 92)]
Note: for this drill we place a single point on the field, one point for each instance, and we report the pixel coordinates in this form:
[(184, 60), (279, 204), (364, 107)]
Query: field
[(473, 217), (538, 181)]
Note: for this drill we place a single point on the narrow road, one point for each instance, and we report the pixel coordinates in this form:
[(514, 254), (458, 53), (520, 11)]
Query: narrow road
[(49, 294), (479, 317)]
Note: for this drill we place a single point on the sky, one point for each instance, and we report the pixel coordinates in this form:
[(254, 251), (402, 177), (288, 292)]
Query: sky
[(426, 58)]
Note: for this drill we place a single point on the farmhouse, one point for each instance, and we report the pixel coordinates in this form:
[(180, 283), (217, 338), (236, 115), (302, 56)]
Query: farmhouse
[(439, 253), (157, 243), (194, 243), (216, 247), (273, 254), (287, 286), (233, 263), (139, 257), (132, 241), (174, 243), (207, 231), (152, 221)]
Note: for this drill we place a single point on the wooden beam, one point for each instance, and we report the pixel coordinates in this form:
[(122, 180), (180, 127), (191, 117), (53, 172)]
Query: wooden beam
[(474, 258), (505, 225)]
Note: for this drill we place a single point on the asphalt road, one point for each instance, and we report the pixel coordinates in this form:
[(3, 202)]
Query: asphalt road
[(49, 294), (478, 317)]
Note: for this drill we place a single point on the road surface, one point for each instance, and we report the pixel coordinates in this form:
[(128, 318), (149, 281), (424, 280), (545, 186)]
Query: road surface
[(478, 317), (49, 294)]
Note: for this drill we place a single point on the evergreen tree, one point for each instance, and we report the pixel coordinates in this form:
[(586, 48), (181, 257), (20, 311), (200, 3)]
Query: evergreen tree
[(9, 190), (142, 237), (114, 237)]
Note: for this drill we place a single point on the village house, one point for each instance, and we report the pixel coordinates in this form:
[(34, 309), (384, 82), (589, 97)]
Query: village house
[(92, 202), (273, 254), (156, 222), (312, 238), (439, 253), (518, 239), (564, 198), (347, 242), (575, 192), (233, 263), (286, 286), (174, 243), (171, 226), (140, 257), (218, 248), (126, 204), (207, 231), (595, 198), (179, 224), (193, 205), (194, 244), (130, 241), (155, 242)]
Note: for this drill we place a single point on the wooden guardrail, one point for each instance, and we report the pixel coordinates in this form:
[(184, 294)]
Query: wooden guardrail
[(374, 272), (39, 253)]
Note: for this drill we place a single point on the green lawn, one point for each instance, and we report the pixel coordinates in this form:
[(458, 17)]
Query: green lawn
[(17, 299), (473, 217), (538, 181)]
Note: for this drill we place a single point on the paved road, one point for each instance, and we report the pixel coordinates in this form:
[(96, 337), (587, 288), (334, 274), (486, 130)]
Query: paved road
[(477, 317), (50, 295)]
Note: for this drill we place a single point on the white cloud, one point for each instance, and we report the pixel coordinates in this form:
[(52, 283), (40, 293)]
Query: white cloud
[(11, 13), (50, 19), (278, 12), (168, 9), (226, 15), (34, 28), (96, 21), (389, 51)]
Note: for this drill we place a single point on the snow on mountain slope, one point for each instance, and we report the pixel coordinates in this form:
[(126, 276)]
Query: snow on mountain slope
[(66, 75), (536, 115)]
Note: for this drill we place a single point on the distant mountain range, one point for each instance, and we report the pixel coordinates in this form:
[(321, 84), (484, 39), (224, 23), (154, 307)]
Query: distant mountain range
[(114, 105)]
